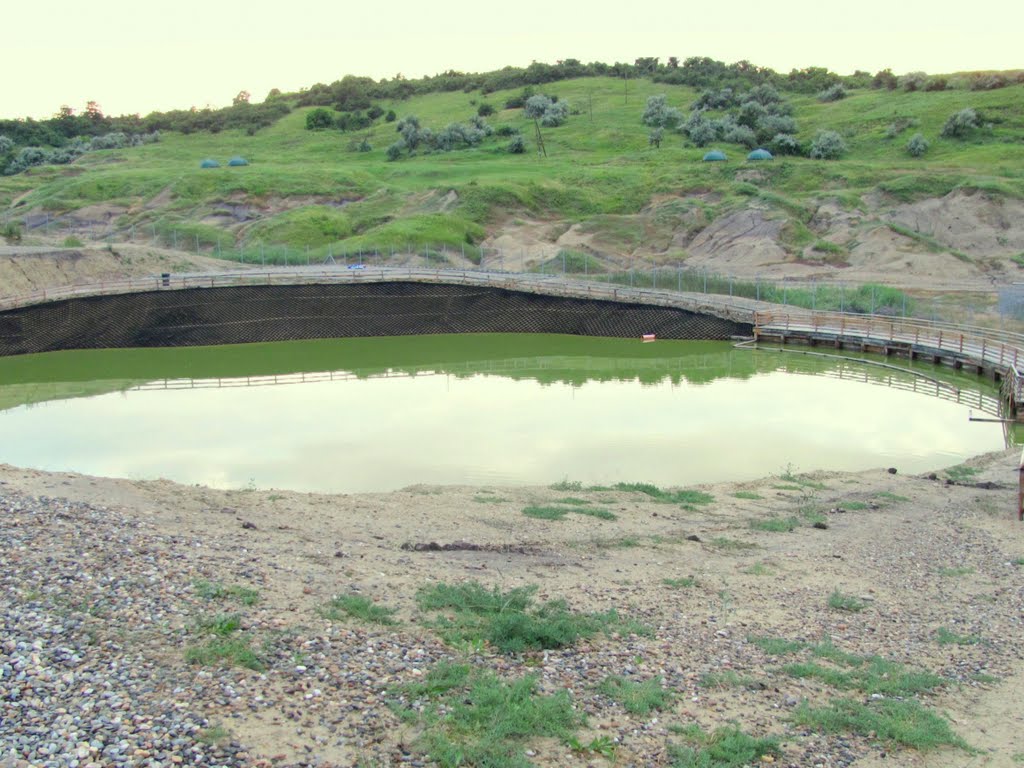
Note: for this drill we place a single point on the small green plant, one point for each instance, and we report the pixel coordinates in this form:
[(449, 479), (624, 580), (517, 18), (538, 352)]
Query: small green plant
[(572, 501), (838, 601), (725, 544), (945, 637), (906, 723), (11, 232), (961, 473), (636, 698), (776, 646), (213, 590), (509, 621), (230, 651), (727, 679), (472, 717), (887, 496), (1019, 561), (956, 572), (687, 581), (356, 607), (667, 497), (72, 242), (489, 499), (853, 506), (214, 735), (918, 145), (725, 748), (604, 746), (758, 569), (598, 512), (747, 495), (775, 524), (566, 485), (221, 625), (546, 513)]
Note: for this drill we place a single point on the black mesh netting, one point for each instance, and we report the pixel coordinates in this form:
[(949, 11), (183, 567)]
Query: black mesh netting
[(278, 313)]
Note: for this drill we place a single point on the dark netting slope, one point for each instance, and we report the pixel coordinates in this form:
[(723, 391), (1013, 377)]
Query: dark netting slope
[(277, 313)]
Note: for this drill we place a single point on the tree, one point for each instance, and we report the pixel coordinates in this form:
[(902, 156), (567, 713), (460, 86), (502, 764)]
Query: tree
[(242, 97), (535, 108), (885, 79), (93, 112), (319, 119)]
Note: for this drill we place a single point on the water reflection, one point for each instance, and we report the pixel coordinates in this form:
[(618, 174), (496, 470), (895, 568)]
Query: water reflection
[(379, 414)]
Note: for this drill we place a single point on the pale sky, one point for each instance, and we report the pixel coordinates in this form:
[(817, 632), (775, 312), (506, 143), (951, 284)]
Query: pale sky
[(139, 57)]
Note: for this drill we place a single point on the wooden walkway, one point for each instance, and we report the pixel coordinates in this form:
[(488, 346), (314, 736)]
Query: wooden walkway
[(995, 353)]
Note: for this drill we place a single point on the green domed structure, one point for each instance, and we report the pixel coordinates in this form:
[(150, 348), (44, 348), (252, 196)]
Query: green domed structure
[(714, 156), (209, 163), (237, 160), (760, 154)]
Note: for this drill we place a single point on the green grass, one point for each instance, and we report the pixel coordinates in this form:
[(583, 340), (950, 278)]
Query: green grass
[(212, 590), (747, 495), (727, 747), (838, 601), (944, 636), (566, 485), (356, 607), (667, 497), (637, 698), (758, 569), (510, 621), (561, 512), (472, 717), (1018, 561), (775, 524), (906, 723), (961, 473), (215, 734), (887, 496), (685, 582), (776, 646), (871, 674), (955, 572), (221, 625), (727, 679), (233, 651), (725, 544)]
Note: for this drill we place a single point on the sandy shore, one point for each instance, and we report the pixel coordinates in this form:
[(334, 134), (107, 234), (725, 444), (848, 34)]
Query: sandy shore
[(108, 586)]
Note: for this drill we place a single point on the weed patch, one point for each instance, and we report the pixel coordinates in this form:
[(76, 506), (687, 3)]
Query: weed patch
[(560, 513), (471, 717), (747, 495), (213, 590), (356, 607), (955, 572), (906, 723), (776, 646), (944, 637), (725, 748), (636, 698), (871, 674), (838, 601), (687, 581), (775, 524), (667, 497), (226, 651), (509, 621)]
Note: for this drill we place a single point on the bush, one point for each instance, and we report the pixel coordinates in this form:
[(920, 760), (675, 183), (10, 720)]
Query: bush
[(827, 145), (775, 124), (395, 150), (917, 145), (751, 113), (835, 93), (784, 144), (655, 136), (517, 146), (741, 134), (658, 114), (913, 81), (364, 146), (506, 130), (374, 112), (6, 145), (988, 82), (390, 117), (485, 110), (319, 119), (961, 124)]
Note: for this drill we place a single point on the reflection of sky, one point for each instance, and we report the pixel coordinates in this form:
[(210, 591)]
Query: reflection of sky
[(382, 434)]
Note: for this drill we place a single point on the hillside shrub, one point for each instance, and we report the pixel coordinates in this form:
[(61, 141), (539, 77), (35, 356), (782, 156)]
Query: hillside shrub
[(394, 152), (506, 130), (374, 112), (6, 145), (961, 124), (989, 82), (365, 146), (319, 119), (741, 134), (913, 81), (485, 110), (836, 93), (721, 98), (353, 121), (390, 117), (784, 144), (917, 146), (555, 115), (936, 84), (827, 145), (885, 79), (658, 114), (517, 145), (751, 113), (654, 137), (764, 94)]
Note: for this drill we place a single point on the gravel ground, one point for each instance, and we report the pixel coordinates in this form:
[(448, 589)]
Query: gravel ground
[(102, 593)]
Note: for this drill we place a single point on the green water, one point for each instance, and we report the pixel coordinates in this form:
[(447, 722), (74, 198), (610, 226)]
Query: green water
[(383, 413)]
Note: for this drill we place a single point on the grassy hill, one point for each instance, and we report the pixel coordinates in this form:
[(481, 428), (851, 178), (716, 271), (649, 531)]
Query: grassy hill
[(601, 189)]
